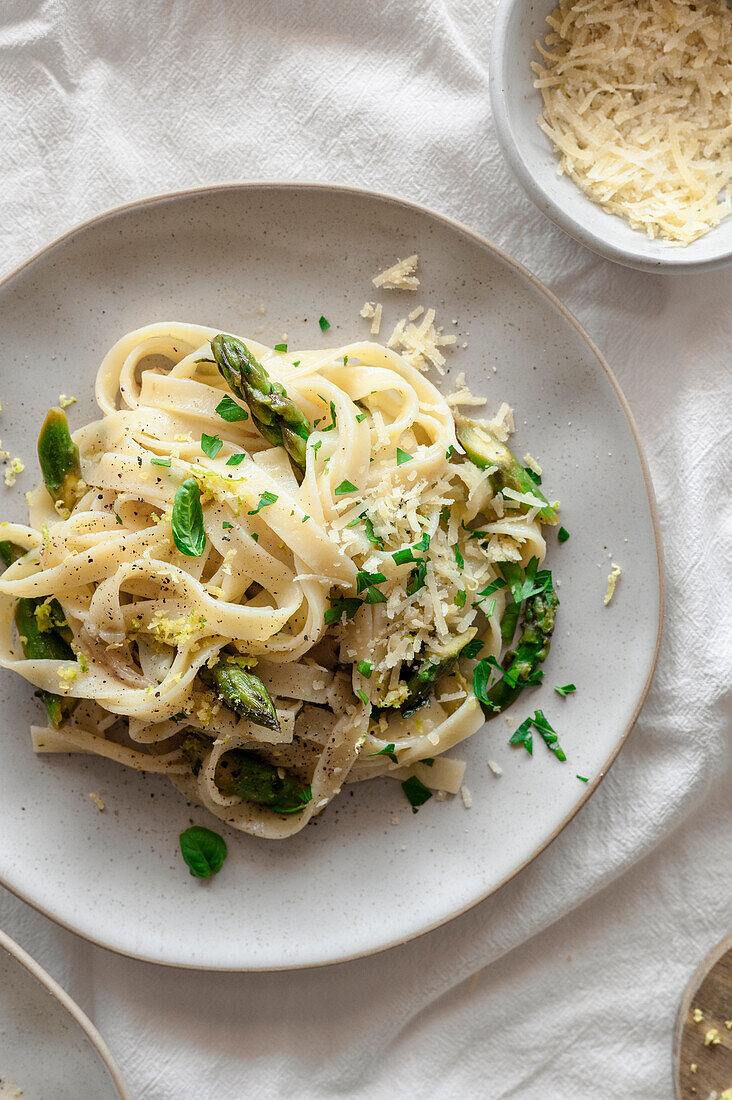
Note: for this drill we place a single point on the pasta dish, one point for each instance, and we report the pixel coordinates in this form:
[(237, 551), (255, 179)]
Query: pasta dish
[(268, 574)]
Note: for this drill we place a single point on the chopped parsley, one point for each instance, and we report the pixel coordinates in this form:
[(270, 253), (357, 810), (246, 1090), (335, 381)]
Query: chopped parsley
[(401, 557), (403, 456), (388, 750), (472, 649), (423, 544), (280, 347), (523, 736), (228, 410), (227, 526), (533, 582), (235, 460), (365, 668), (566, 690), (305, 519), (316, 446), (450, 451), (360, 417), (332, 425), (562, 534), (416, 792), (551, 740), (459, 557), (364, 579), (417, 578), (341, 606), (583, 778), (374, 595), (494, 586), (324, 325), (211, 445), (373, 538), (255, 536), (460, 597), (536, 478), (159, 462), (363, 696), (445, 514), (345, 486), (264, 501), (118, 517)]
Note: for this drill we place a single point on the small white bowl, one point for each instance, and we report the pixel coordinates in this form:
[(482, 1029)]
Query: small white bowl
[(516, 106)]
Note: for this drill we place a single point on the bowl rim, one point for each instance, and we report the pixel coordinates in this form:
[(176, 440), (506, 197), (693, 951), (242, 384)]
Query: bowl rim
[(324, 187), (554, 211), (58, 993)]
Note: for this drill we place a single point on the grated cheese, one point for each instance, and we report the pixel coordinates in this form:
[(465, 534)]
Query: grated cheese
[(11, 474), (372, 312), (399, 277), (421, 345), (466, 797), (637, 101), (612, 580), (96, 800)]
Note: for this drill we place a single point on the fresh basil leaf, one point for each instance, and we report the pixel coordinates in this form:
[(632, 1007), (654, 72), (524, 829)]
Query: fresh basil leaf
[(235, 460), (566, 690), (403, 456), (416, 792), (523, 736), (388, 750), (229, 411), (549, 734), (187, 520), (264, 501), (203, 851), (365, 668), (160, 461), (211, 445), (345, 486)]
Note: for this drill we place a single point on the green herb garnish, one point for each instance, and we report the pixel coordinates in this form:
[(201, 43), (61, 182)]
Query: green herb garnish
[(523, 736), (211, 445), (160, 461), (364, 579), (361, 417), (280, 347), (388, 750), (235, 460), (345, 487), (566, 690), (459, 557), (583, 778), (472, 649), (187, 519), (549, 734), (417, 578), (562, 534), (324, 325), (403, 456), (228, 410), (460, 597), (365, 668), (416, 792), (363, 696), (341, 606), (227, 526), (264, 501), (203, 851), (374, 595)]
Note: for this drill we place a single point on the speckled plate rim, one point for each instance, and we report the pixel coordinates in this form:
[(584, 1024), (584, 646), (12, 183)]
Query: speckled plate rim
[(523, 272), (36, 971)]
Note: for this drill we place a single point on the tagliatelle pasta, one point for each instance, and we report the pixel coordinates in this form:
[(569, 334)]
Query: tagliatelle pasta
[(337, 586)]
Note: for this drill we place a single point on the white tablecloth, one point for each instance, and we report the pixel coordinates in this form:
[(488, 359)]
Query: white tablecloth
[(566, 982)]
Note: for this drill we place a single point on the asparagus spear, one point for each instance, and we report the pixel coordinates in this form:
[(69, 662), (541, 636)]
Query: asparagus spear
[(533, 648), (59, 459), (484, 450), (244, 774), (430, 670), (242, 691), (45, 645), (278, 418)]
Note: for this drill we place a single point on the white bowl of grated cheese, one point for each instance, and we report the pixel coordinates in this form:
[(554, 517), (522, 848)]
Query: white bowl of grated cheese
[(517, 105)]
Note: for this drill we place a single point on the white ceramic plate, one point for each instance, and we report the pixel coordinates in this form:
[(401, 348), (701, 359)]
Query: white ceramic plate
[(48, 1047), (215, 256)]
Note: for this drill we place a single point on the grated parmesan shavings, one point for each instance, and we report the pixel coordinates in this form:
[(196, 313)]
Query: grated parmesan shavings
[(401, 276), (637, 101), (612, 580)]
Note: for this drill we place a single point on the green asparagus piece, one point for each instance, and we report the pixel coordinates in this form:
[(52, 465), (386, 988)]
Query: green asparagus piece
[(521, 663), (45, 645), (430, 670), (278, 418), (484, 450), (10, 552), (244, 774), (242, 691), (59, 459)]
